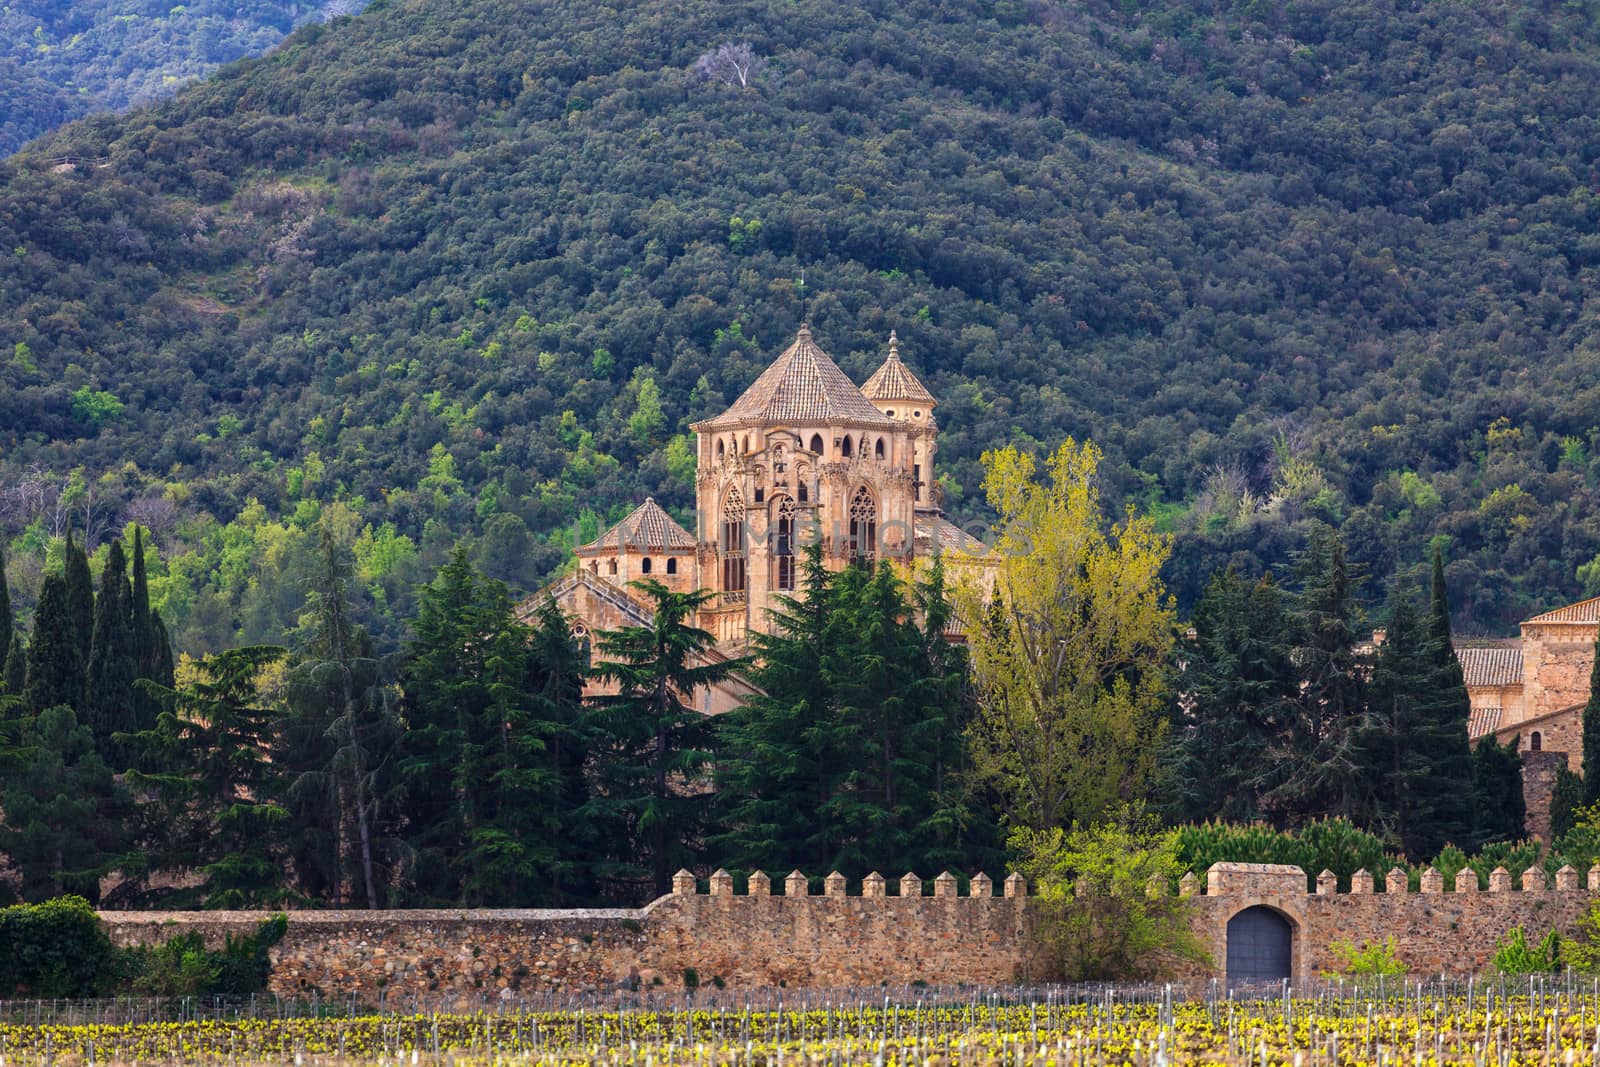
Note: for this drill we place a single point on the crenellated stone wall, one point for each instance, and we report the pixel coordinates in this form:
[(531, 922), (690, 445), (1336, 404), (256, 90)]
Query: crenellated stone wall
[(880, 934)]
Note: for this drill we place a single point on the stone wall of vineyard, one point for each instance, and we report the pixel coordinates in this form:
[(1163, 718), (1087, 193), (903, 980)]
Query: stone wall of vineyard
[(865, 937)]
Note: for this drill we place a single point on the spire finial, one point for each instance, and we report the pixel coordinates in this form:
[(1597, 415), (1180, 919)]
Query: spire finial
[(805, 332), (894, 345)]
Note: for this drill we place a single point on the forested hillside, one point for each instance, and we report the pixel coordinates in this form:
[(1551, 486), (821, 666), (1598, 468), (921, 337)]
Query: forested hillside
[(459, 273), (59, 60)]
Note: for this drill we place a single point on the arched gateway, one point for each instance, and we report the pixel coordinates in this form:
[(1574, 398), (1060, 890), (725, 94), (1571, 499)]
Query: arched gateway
[(1260, 947)]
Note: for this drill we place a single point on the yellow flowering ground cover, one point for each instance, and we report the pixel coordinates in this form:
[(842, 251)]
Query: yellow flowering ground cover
[(1488, 1025)]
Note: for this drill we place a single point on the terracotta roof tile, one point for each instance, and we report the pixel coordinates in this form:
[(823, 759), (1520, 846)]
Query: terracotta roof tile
[(1482, 722), (802, 386), (951, 537), (1494, 665), (894, 381), (1582, 611), (648, 527)]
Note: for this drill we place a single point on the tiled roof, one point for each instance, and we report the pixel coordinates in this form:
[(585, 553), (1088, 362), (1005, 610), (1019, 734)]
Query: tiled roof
[(894, 381), (951, 537), (802, 386), (648, 528), (1582, 611), (1482, 721), (1493, 665)]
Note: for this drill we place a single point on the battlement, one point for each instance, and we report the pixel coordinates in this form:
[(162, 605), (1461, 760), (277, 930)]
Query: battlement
[(798, 884)]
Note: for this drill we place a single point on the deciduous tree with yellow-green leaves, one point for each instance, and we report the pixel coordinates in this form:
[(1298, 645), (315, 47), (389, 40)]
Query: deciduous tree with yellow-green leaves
[(1067, 642)]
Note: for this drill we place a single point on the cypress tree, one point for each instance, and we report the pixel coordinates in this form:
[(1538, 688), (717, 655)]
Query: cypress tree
[(146, 639), (16, 666), (164, 663), (1565, 800), (1591, 732), (55, 658), (109, 692), (1501, 811), (80, 597), (1448, 708)]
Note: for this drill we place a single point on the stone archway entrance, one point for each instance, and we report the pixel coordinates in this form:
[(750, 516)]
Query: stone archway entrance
[(1260, 947)]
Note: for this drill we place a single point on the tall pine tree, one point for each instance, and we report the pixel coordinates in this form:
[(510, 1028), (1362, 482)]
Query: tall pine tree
[(55, 657), (653, 745), (1448, 710), (1237, 687), (80, 594), (8, 624), (109, 696)]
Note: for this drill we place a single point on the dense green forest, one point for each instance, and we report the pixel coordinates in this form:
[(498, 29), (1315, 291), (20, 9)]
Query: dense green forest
[(446, 272), (59, 60)]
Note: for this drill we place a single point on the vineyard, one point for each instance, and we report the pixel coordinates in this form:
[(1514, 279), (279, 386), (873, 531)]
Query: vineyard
[(1495, 1021)]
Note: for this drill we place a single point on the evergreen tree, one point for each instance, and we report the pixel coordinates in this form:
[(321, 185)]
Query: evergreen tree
[(1418, 804), (55, 658), (164, 663), (147, 639), (80, 596), (652, 747), (207, 767), (1238, 683), (781, 758), (1330, 741), (482, 772), (16, 666), (67, 818), (557, 670), (341, 737), (1501, 811), (1565, 800), (1448, 708), (1591, 733), (108, 700)]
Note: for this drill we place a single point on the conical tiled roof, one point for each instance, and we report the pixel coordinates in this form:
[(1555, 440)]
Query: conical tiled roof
[(894, 381), (648, 528), (802, 386)]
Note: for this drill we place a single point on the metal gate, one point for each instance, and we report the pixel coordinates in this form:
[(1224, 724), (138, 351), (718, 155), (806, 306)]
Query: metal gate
[(1259, 946)]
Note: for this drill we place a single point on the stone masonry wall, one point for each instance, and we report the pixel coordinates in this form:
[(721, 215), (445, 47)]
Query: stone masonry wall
[(798, 939)]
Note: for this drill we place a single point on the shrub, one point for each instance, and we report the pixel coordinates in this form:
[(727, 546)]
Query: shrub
[(1513, 956), (183, 966), (1098, 919), (54, 949), (1372, 960)]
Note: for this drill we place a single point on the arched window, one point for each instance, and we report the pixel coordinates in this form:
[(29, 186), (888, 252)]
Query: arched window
[(733, 542), (745, 446), (645, 565), (611, 566), (594, 566), (816, 443), (580, 638), (721, 450), (877, 448), (846, 447), (672, 566), (780, 459), (800, 487), (783, 511), (863, 525), (1536, 742)]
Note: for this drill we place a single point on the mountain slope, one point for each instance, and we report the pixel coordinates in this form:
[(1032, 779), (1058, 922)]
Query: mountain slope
[(59, 60), (473, 270)]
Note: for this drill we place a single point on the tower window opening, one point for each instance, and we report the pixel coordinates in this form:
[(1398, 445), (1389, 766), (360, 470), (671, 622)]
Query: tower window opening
[(845, 448), (611, 566), (877, 449), (1536, 742), (672, 566), (805, 494), (721, 450), (733, 546), (760, 495), (816, 443), (644, 565), (783, 545), (863, 525), (916, 479)]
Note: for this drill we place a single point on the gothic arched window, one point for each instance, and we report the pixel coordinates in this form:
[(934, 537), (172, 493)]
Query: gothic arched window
[(783, 511), (800, 487), (846, 446), (877, 449), (816, 443), (580, 638), (672, 566), (863, 525), (645, 565), (733, 542)]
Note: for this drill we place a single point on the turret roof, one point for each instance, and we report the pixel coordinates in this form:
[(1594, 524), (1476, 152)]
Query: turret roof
[(802, 386), (894, 381), (1584, 611), (648, 528)]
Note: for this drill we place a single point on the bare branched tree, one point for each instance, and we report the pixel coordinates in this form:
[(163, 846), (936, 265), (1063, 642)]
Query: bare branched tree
[(157, 514), (730, 64)]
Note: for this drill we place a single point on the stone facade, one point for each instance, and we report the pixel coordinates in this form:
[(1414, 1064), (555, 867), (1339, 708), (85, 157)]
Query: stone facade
[(800, 939), (804, 455)]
